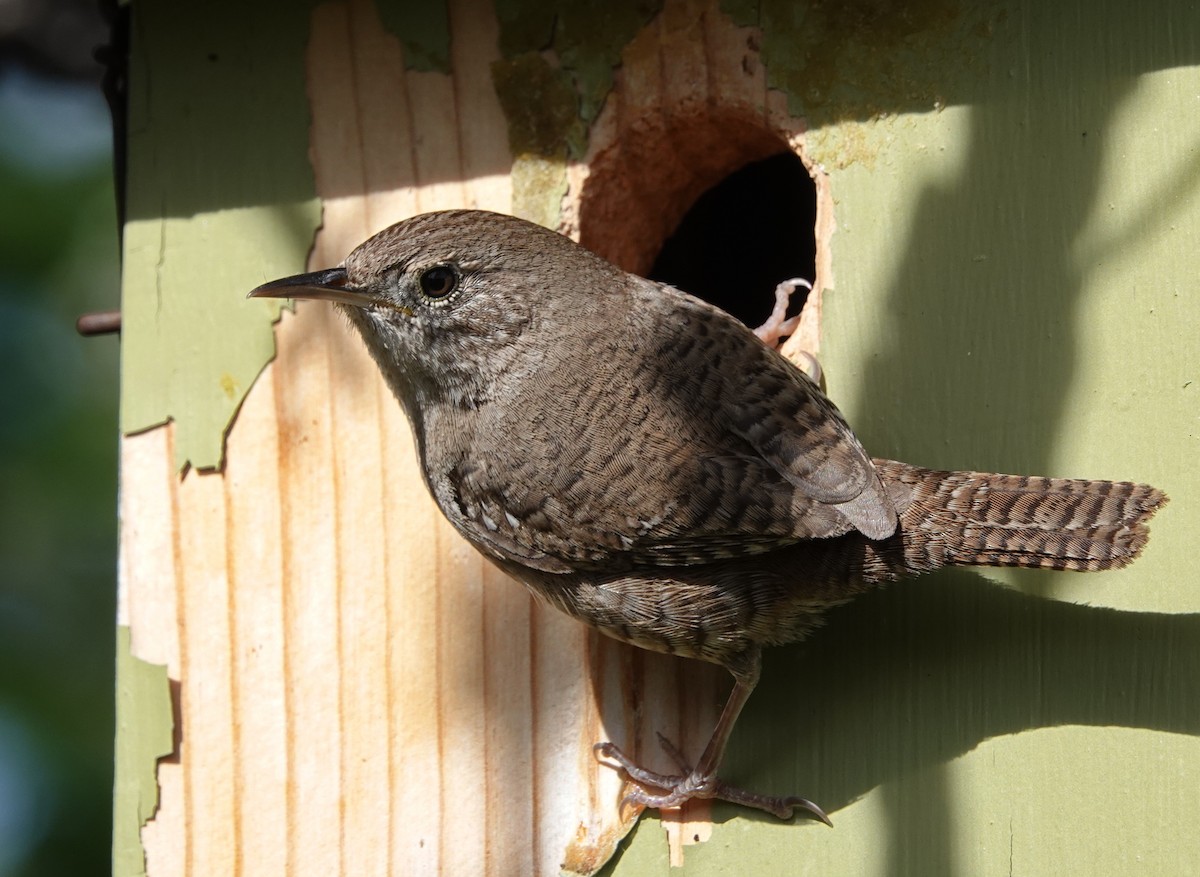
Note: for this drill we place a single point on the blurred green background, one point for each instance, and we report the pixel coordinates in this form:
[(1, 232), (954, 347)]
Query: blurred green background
[(58, 442)]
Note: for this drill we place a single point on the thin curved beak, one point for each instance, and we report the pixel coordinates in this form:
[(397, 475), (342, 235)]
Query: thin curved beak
[(328, 285)]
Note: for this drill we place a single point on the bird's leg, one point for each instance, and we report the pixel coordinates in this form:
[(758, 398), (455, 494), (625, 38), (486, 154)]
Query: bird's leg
[(779, 326), (701, 781)]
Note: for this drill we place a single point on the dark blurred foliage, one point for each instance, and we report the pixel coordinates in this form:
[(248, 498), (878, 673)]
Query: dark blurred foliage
[(58, 443)]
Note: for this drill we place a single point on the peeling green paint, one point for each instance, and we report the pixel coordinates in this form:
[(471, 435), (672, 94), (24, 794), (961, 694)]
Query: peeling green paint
[(589, 38), (550, 106), (424, 31), (192, 345), (221, 198), (586, 36), (145, 733)]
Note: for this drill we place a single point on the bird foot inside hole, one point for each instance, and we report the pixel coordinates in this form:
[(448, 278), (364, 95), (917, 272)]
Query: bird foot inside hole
[(691, 783), (780, 326)]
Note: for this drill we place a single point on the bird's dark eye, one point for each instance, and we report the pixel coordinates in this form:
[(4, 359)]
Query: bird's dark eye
[(439, 281)]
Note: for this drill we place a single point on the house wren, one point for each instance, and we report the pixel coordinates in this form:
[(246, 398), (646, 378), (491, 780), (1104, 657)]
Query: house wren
[(643, 462)]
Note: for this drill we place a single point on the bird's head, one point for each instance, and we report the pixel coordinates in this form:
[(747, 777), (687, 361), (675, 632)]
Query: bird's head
[(452, 304)]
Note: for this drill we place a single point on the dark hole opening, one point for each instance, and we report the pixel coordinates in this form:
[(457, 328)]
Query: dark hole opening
[(744, 236)]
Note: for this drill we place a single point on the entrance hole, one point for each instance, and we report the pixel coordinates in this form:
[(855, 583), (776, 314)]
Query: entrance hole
[(743, 236)]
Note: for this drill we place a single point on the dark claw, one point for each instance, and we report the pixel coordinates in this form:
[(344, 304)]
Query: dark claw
[(810, 807)]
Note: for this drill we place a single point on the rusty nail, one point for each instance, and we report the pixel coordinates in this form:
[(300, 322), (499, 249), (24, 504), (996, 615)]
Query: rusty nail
[(98, 323)]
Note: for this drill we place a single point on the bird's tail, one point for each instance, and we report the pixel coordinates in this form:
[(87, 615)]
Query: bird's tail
[(978, 519)]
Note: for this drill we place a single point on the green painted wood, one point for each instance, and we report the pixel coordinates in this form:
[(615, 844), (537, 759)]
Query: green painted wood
[(145, 727), (220, 198)]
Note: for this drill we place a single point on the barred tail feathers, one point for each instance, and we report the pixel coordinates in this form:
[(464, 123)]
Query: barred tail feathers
[(981, 519)]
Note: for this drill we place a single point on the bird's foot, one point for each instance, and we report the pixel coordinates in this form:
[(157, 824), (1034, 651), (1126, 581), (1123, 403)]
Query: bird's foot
[(779, 326), (691, 783)]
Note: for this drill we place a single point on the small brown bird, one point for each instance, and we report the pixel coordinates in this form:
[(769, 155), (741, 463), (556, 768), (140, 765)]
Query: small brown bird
[(641, 460)]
